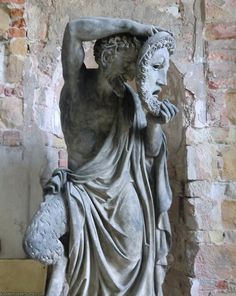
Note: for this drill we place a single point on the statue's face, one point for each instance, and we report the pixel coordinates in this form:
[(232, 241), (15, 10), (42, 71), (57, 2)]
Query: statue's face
[(156, 72)]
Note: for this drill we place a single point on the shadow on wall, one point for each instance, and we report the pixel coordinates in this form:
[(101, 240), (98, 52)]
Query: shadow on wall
[(175, 283)]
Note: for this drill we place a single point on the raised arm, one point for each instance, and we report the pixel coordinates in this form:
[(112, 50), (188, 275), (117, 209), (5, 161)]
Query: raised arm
[(92, 28)]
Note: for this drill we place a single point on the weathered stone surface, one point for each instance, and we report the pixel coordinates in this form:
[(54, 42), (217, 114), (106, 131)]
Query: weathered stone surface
[(14, 69), (45, 27), (11, 115), (11, 138), (220, 31), (230, 101), (18, 46), (218, 11), (207, 213), (208, 190), (202, 162), (16, 13), (5, 21), (229, 162), (210, 258), (16, 32), (228, 212)]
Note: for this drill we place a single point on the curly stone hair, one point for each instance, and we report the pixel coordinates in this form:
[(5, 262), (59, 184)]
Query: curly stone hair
[(113, 44), (157, 41)]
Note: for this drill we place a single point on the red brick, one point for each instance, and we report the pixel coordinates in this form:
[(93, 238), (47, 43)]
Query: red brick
[(62, 154), (16, 32), (62, 163), (222, 83), (222, 56), (230, 103), (222, 285), (1, 89), (212, 85), (8, 91), (216, 10), (20, 23), (220, 31), (13, 1), (16, 13), (18, 91), (11, 138)]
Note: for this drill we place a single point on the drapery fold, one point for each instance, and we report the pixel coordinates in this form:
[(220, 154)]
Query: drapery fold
[(118, 225)]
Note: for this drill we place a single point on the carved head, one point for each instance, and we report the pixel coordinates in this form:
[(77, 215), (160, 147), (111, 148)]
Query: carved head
[(152, 67), (117, 56)]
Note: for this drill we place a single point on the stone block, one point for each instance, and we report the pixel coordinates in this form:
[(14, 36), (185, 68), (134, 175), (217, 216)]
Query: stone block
[(216, 260), (11, 138), (230, 101), (19, 23), (22, 277), (207, 214), (213, 134), (216, 106), (5, 20), (222, 83), (16, 32), (16, 13), (229, 162), (216, 236), (220, 31), (228, 212), (18, 46), (224, 55), (11, 115), (14, 71), (202, 162), (218, 11)]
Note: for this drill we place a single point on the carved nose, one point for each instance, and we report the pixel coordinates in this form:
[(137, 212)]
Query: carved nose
[(162, 80)]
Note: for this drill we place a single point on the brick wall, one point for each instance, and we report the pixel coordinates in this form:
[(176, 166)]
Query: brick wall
[(31, 141), (215, 209), (201, 141)]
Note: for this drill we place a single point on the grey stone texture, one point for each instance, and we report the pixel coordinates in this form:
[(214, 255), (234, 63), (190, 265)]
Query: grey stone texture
[(112, 202), (202, 86)]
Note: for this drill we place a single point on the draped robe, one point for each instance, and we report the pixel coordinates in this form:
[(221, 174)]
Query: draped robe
[(119, 232)]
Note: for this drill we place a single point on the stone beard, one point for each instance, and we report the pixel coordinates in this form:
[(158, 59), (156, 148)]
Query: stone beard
[(152, 61)]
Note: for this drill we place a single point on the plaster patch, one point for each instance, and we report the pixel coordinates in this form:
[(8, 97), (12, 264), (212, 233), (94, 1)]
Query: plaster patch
[(174, 10), (2, 53)]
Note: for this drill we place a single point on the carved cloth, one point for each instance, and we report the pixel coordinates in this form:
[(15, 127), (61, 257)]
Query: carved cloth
[(119, 232)]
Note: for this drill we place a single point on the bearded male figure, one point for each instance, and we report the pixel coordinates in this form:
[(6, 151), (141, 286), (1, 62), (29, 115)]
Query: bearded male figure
[(111, 204)]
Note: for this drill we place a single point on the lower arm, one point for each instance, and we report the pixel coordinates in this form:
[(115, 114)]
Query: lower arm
[(153, 137)]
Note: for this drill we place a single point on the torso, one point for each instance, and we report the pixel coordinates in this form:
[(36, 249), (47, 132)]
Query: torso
[(87, 122)]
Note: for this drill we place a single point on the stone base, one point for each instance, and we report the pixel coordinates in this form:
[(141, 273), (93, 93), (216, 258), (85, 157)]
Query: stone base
[(20, 277)]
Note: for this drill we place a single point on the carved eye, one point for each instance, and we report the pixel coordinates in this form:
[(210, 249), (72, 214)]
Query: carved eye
[(158, 66)]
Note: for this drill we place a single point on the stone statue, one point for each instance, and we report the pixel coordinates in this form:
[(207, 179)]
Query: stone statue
[(104, 224)]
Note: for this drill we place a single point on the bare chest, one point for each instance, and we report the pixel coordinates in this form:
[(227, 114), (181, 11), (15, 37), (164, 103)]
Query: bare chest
[(86, 126)]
